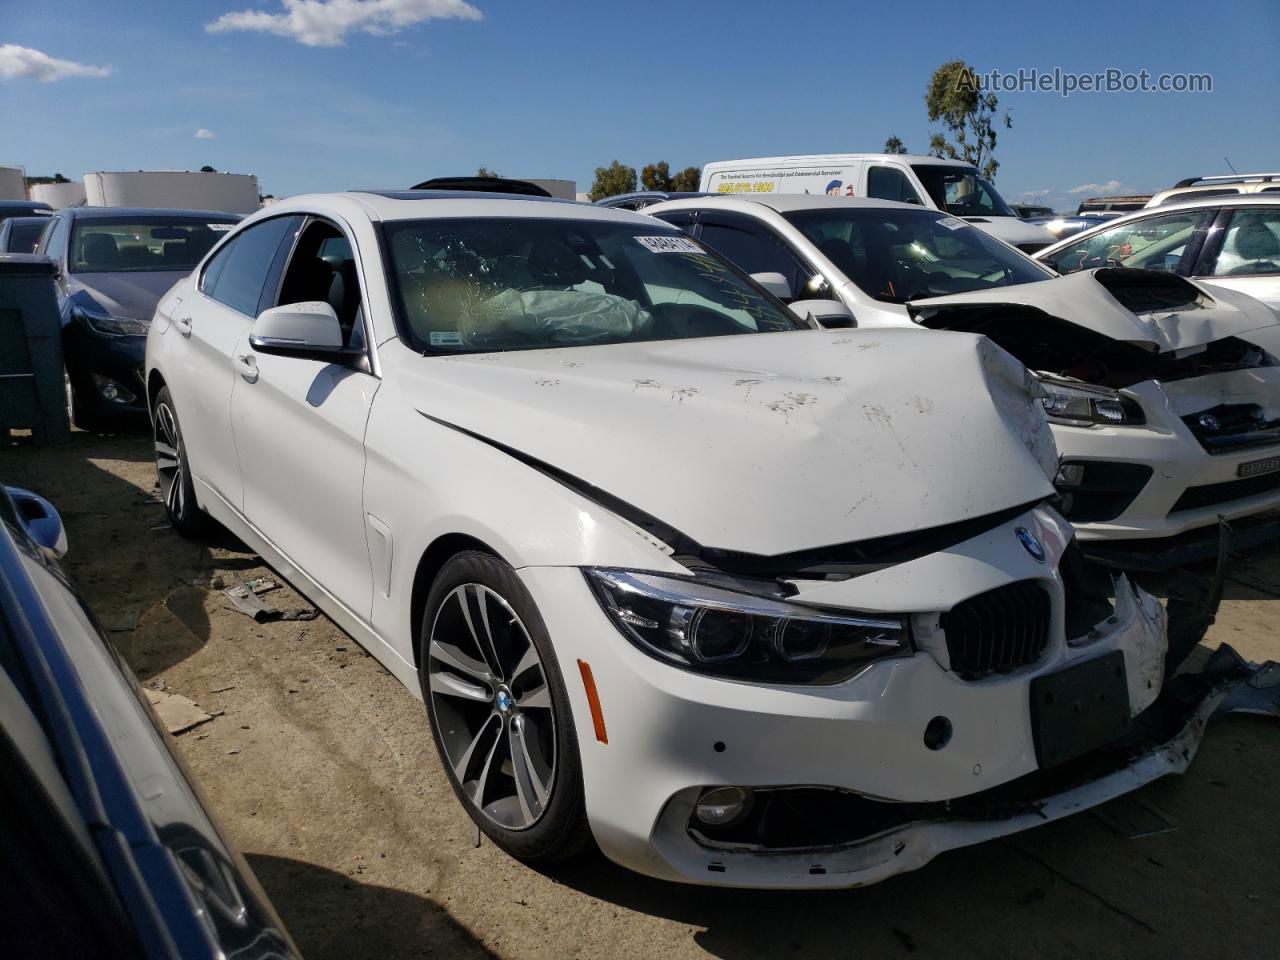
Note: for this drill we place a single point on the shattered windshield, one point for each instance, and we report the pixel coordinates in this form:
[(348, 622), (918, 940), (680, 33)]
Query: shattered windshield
[(896, 255), (487, 284)]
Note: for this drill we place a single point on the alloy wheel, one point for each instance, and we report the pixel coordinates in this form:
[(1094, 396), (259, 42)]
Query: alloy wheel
[(169, 462), (492, 705)]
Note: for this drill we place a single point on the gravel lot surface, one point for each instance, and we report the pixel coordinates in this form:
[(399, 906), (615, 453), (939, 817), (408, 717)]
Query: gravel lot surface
[(321, 767)]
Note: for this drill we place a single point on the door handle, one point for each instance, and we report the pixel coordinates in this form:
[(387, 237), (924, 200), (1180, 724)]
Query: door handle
[(183, 324), (246, 366)]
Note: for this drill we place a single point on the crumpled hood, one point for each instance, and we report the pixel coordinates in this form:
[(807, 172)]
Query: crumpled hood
[(767, 443), (125, 294), (1085, 300)]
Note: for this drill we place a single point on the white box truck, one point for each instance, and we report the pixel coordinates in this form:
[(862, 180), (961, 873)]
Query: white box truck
[(174, 189), (952, 186)]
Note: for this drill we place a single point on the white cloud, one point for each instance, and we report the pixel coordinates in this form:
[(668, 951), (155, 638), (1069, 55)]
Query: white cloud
[(1098, 189), (23, 62), (325, 23), (204, 133)]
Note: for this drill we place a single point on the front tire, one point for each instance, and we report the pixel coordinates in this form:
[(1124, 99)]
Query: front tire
[(173, 471), (499, 710)]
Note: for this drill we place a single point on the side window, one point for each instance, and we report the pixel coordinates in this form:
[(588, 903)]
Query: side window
[(1251, 244), (1152, 243), (323, 267), (237, 274), (52, 239), (753, 250), (890, 183)]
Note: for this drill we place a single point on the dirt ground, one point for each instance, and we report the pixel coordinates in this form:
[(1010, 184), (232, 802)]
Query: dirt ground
[(322, 769)]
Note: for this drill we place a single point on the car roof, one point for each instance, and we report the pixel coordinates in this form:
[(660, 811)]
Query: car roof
[(115, 213), (391, 205), (912, 158), (785, 203), (663, 194)]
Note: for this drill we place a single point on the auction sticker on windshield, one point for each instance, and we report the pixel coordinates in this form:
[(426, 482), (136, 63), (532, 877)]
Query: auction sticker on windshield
[(951, 223), (670, 245)]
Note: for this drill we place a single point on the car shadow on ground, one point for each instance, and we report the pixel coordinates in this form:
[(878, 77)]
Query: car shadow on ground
[(145, 585), (335, 916)]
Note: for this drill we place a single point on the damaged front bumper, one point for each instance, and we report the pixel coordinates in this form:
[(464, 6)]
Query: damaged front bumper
[(853, 782), (1164, 741)]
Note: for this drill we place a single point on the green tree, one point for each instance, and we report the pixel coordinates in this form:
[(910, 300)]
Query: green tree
[(656, 176), (613, 180), (687, 179), (895, 145), (486, 172), (207, 169), (968, 116)]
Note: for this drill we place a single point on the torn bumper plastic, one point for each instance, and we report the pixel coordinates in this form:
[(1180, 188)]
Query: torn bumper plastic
[(1164, 741)]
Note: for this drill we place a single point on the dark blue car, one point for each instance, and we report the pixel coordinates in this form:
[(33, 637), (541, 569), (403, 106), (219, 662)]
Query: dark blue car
[(107, 848), (113, 266)]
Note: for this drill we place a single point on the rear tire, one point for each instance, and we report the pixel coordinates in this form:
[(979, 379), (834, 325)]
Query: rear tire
[(499, 710), (173, 471)]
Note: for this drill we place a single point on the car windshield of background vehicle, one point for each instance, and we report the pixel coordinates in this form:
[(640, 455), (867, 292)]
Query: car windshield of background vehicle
[(897, 255), (961, 192), (1152, 243), (483, 285), (151, 244)]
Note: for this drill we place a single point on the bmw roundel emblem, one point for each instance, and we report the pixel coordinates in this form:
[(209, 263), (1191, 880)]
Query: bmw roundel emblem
[(1031, 543)]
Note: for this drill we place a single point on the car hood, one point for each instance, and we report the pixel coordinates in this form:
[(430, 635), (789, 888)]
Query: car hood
[(127, 294), (1011, 229), (764, 444), (1157, 311)]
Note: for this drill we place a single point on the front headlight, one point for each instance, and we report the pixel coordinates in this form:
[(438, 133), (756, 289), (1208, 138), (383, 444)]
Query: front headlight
[(1081, 404), (110, 326), (728, 634)]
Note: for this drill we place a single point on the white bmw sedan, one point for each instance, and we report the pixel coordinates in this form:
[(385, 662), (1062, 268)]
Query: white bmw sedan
[(747, 602)]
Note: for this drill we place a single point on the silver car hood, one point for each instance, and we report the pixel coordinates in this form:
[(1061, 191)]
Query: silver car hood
[(767, 443), (132, 294), (1081, 299)]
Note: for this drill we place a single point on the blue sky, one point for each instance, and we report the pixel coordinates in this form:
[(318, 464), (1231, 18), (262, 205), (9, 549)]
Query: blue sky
[(556, 90)]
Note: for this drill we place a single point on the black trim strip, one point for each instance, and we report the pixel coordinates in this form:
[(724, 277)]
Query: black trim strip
[(837, 561)]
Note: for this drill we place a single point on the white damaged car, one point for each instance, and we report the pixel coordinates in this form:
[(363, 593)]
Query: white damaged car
[(1164, 394), (748, 604)]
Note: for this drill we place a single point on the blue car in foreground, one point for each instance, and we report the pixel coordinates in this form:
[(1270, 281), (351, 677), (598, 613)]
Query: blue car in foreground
[(110, 852)]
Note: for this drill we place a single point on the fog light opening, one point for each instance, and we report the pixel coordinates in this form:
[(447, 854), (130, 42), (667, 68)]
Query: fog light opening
[(937, 733), (111, 391), (722, 806)]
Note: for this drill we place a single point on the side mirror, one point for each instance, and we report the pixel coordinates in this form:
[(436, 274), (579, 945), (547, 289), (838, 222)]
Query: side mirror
[(775, 283), (309, 329), (40, 519), (828, 314)]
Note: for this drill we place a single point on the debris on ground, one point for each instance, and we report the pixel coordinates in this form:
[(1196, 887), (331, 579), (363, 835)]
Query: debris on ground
[(176, 712), (245, 599), (123, 621)]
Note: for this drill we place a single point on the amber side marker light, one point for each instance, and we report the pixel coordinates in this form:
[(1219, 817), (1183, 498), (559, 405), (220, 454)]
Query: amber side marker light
[(593, 701)]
